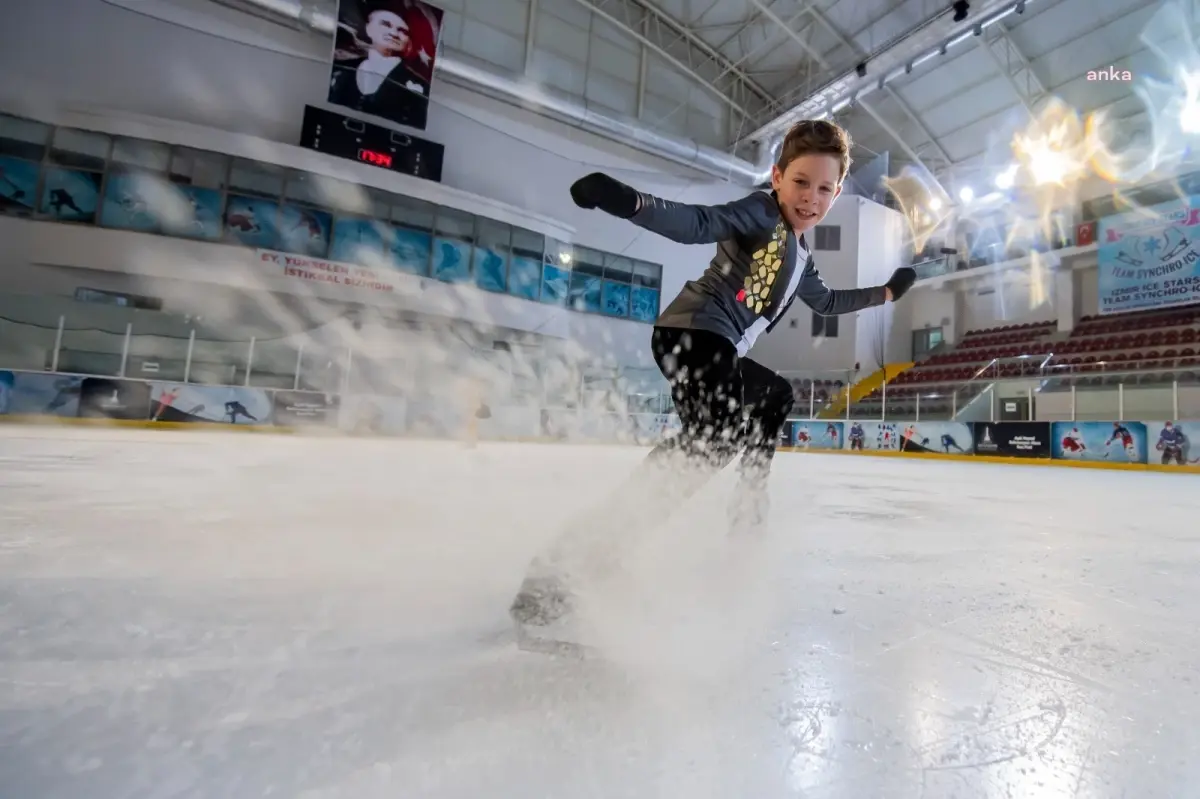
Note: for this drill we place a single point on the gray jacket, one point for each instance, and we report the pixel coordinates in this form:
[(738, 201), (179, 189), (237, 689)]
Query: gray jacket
[(741, 293)]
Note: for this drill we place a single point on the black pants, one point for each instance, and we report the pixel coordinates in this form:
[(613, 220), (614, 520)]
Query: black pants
[(726, 404)]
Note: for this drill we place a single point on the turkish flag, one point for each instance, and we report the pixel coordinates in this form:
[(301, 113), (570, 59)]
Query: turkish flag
[(1085, 234)]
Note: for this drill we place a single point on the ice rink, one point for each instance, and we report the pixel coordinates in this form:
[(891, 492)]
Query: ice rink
[(194, 615)]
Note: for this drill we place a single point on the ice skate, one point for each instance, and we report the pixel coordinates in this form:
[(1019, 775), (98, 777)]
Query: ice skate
[(544, 615), (749, 509)]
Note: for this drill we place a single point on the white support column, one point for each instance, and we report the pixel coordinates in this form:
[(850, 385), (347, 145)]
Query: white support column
[(530, 34), (299, 366), (58, 339), (250, 359), (187, 361), (125, 349)]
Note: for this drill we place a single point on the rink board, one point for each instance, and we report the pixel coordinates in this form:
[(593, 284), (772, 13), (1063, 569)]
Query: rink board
[(43, 421)]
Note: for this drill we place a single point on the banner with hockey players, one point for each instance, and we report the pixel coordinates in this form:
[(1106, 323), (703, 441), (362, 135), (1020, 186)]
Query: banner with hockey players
[(817, 435), (947, 438), (187, 402), (38, 394), (1115, 442), (1173, 443)]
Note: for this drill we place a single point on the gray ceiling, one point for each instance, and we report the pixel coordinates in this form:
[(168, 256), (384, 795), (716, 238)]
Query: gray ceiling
[(716, 70)]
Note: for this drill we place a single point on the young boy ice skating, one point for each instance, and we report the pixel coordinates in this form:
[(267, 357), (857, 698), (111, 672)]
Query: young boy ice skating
[(727, 403)]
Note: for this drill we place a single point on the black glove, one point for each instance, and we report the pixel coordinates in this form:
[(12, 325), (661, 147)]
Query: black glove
[(901, 281), (611, 196)]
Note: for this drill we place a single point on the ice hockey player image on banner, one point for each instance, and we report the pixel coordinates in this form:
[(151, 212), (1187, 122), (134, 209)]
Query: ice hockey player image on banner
[(184, 402), (817, 435), (949, 438), (383, 58), (1116, 442), (37, 394), (1173, 443)]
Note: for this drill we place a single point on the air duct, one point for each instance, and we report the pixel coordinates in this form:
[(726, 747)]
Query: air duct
[(686, 152)]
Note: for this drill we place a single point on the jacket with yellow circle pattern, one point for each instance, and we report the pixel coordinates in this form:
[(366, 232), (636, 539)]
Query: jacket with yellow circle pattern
[(749, 275)]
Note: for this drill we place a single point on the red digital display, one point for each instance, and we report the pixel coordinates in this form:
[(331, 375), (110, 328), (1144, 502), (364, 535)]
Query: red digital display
[(375, 157)]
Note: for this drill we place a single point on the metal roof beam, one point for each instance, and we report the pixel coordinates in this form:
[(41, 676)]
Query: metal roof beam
[(927, 149), (684, 50), (1015, 68), (879, 120)]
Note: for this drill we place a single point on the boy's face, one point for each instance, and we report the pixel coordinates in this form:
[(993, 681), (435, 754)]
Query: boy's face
[(807, 189)]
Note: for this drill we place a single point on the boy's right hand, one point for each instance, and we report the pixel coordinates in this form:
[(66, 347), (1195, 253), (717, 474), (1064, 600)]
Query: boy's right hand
[(598, 190)]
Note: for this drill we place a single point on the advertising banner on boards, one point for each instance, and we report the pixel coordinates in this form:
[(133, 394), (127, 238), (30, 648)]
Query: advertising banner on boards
[(1012, 439)]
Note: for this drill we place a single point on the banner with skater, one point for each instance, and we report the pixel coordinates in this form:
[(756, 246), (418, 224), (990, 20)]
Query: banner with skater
[(184, 402), (1115, 442), (1150, 258), (816, 435), (947, 438), (1173, 443)]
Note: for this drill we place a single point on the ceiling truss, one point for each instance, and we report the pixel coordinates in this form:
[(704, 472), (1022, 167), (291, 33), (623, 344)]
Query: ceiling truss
[(904, 145), (681, 47), (923, 148), (1015, 68)]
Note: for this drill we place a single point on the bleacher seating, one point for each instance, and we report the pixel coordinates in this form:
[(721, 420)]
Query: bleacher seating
[(815, 392), (1156, 346)]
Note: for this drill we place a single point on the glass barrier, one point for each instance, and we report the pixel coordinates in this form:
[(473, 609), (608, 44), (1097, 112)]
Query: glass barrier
[(60, 334), (1036, 388)]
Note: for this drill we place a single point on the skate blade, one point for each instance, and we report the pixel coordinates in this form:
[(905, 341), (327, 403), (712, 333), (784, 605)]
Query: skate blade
[(542, 644)]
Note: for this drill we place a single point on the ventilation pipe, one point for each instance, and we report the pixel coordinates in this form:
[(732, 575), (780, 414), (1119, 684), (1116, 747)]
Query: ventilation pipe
[(717, 163)]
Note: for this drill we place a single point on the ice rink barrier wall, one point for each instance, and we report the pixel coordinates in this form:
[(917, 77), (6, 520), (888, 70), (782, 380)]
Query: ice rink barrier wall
[(47, 397)]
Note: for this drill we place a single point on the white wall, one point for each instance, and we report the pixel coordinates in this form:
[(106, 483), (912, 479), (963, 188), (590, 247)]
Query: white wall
[(1011, 298), (935, 307), (882, 334), (119, 63)]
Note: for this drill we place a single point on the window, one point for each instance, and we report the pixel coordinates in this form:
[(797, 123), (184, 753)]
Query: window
[(827, 237), (926, 341), (199, 168), (256, 180), (644, 296), (149, 155), (23, 138), (80, 148), (824, 326), (587, 280), (101, 297), (452, 246), (491, 254), (525, 264)]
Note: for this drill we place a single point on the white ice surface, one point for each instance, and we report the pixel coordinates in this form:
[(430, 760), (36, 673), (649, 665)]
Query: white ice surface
[(227, 616)]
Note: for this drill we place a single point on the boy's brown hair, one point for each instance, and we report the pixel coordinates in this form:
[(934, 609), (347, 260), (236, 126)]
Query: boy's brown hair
[(816, 136)]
